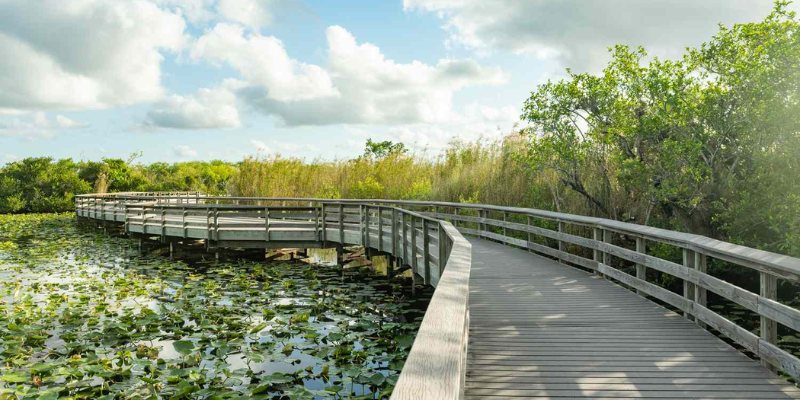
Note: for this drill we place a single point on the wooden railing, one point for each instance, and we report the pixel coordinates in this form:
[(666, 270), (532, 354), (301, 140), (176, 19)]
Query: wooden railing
[(433, 249), (607, 247), (623, 252)]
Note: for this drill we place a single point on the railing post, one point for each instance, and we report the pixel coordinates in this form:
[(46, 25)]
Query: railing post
[(701, 265), (769, 328), (266, 223), (530, 234), (426, 252), (505, 219), (404, 229), (688, 287), (216, 224), (641, 270), (482, 226), (414, 263), (599, 257), (125, 218), (442, 249), (163, 224), (606, 239), (208, 225), (184, 224), (366, 229), (561, 229), (341, 223), (380, 228), (394, 232), (321, 217)]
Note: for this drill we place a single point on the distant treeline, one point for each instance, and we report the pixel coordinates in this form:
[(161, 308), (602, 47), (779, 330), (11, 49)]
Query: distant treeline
[(708, 143)]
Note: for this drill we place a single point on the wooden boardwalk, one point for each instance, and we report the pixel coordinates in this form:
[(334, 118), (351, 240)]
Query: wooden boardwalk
[(504, 322), (541, 329)]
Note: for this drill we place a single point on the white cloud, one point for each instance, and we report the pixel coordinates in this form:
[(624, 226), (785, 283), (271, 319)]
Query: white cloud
[(578, 32), (194, 11), (83, 54), (359, 86), (184, 151), (36, 124), (206, 109), (252, 13), (263, 61)]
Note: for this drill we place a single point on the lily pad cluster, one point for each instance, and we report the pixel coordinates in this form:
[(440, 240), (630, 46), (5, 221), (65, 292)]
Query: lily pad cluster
[(85, 316)]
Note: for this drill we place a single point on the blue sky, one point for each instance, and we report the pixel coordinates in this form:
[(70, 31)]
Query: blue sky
[(223, 79)]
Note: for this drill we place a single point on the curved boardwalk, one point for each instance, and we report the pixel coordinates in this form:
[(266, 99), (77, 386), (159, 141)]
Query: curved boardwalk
[(507, 323), (545, 330)]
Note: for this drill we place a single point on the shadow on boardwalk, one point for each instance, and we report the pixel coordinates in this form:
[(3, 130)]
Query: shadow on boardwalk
[(542, 329)]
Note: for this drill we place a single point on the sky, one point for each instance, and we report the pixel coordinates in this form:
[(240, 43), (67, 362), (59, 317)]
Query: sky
[(178, 80)]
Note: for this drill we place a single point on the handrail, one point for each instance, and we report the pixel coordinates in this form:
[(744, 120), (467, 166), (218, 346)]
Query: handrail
[(776, 264), (431, 371), (606, 240)]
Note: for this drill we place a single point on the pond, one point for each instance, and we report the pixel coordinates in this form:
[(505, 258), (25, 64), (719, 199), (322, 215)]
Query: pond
[(85, 315)]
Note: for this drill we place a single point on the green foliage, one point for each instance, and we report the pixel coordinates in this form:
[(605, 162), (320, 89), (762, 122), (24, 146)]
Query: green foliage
[(113, 175), (47, 185), (382, 149), (367, 188), (40, 185), (707, 143)]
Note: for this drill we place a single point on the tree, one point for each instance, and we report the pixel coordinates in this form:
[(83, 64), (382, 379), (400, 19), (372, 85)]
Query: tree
[(382, 149), (679, 140), (40, 185)]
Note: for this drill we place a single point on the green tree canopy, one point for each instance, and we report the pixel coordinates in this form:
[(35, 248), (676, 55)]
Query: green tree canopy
[(679, 140)]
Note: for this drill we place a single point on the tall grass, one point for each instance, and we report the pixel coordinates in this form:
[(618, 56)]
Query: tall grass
[(481, 171)]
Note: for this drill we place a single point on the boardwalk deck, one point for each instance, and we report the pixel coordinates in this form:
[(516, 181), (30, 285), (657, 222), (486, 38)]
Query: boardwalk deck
[(541, 329), (506, 323)]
